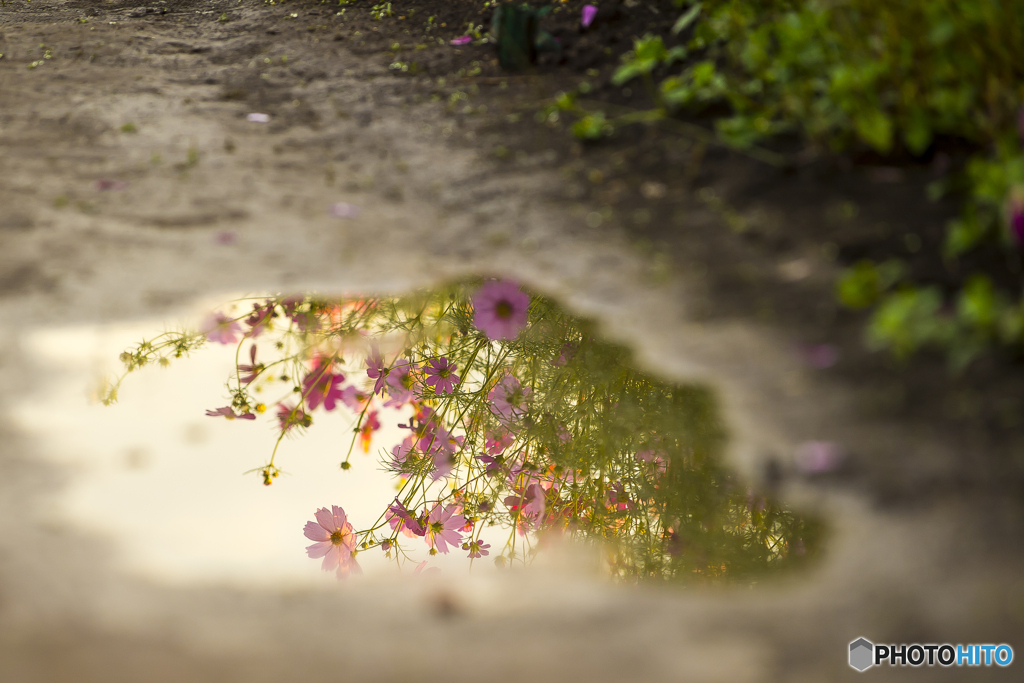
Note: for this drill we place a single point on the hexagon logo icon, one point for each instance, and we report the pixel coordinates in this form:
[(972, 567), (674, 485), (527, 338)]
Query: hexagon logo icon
[(862, 654)]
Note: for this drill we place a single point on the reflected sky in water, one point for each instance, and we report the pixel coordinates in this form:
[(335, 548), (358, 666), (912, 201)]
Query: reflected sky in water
[(165, 482)]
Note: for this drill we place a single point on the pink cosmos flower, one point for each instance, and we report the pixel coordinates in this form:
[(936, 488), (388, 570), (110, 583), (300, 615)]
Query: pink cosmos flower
[(443, 527), (530, 505), (289, 417), (587, 15), (496, 442), (565, 355), (230, 414), (401, 382), (335, 541), (442, 446), (219, 328), (225, 237), (375, 368), (441, 376), (400, 453), (618, 498), (353, 398), (252, 370), (400, 517), (343, 210), (508, 400), (305, 321), (322, 386), (106, 184), (476, 549), (818, 457), (501, 309), (461, 40), (492, 465), (260, 319)]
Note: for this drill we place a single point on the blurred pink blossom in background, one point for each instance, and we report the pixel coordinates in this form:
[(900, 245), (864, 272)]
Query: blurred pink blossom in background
[(219, 328), (501, 309)]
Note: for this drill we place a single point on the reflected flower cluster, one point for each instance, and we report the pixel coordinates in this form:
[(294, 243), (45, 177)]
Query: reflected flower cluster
[(522, 426)]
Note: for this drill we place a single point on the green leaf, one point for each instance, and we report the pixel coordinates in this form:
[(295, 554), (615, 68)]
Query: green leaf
[(875, 128), (592, 127), (688, 18), (918, 132)]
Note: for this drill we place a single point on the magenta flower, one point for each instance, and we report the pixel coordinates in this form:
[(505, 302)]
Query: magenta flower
[(343, 210), (496, 442), (476, 549), (289, 417), (252, 370), (400, 517), (375, 368), (219, 328), (260, 319), (818, 457), (530, 505), (106, 184), (401, 382), (565, 355), (305, 321), (230, 414), (322, 386), (335, 541), (443, 527), (441, 376), (400, 453), (441, 445), (491, 464), (618, 498), (587, 15), (508, 400), (225, 237), (461, 40), (501, 309), (353, 398)]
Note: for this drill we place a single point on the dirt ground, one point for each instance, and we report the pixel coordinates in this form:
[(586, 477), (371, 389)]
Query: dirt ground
[(133, 184)]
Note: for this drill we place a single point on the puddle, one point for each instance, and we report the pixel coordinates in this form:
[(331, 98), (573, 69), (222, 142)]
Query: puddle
[(471, 427)]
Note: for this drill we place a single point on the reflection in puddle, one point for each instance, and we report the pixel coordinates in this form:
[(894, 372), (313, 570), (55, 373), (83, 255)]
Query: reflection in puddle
[(502, 425)]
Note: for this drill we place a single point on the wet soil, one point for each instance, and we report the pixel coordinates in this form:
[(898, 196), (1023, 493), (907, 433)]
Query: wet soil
[(133, 185)]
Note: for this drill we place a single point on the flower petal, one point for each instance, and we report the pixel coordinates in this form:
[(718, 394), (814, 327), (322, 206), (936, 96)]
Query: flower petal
[(326, 519), (318, 549), (315, 532)]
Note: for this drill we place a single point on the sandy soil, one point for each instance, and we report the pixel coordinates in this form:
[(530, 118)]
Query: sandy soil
[(926, 530)]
